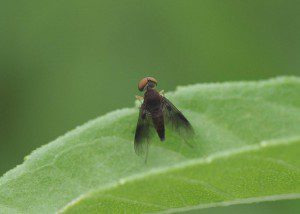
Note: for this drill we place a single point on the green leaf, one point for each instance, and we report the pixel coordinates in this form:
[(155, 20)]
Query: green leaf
[(246, 149)]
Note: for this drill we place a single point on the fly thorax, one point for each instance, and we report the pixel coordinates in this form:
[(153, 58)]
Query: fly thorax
[(152, 99)]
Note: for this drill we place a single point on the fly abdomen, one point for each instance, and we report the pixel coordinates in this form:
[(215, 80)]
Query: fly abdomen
[(158, 122)]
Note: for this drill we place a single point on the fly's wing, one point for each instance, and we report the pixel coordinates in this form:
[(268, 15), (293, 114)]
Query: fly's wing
[(142, 132), (176, 118)]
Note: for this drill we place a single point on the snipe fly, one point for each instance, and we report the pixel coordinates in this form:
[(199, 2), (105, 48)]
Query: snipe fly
[(156, 111)]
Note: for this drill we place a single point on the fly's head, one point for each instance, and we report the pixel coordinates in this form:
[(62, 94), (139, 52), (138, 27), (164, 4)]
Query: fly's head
[(147, 82)]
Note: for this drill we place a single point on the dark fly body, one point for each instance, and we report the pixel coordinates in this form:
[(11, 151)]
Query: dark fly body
[(155, 111)]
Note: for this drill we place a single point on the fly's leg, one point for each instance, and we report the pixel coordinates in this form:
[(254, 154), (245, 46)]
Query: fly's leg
[(162, 92), (139, 98)]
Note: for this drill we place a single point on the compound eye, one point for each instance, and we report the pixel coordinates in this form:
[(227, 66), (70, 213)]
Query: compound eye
[(142, 84), (152, 79)]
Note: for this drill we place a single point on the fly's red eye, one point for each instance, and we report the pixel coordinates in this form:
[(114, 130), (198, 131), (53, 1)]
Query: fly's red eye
[(144, 82)]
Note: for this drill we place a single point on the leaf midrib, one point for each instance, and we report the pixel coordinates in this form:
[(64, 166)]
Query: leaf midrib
[(189, 163), (234, 202)]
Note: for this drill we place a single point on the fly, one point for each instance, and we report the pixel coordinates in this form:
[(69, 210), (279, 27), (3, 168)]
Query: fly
[(155, 111)]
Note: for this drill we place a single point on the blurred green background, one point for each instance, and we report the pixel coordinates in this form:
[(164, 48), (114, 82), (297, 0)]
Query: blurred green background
[(65, 62)]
